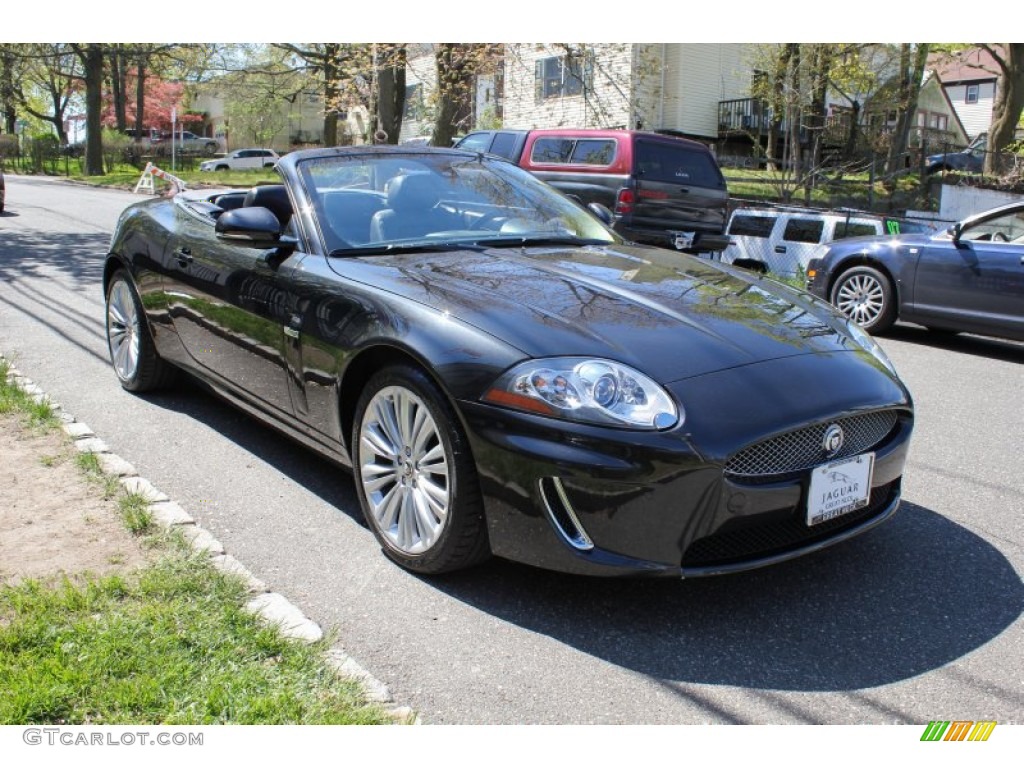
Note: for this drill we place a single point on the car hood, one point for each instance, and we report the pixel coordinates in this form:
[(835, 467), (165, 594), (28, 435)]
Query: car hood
[(670, 315)]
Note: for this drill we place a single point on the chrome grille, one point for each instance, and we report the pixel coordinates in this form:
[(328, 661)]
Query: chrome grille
[(803, 449)]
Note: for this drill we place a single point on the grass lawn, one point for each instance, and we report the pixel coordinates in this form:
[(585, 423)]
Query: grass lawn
[(169, 642)]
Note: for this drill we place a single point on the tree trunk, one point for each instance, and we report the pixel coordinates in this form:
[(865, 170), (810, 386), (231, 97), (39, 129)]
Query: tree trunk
[(92, 61), (777, 105), (332, 94), (117, 88), (794, 111), (454, 90), (140, 99), (851, 137), (1008, 105), (911, 74), (391, 91), (8, 92)]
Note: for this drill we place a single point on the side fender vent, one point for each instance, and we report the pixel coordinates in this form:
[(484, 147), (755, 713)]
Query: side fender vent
[(562, 515)]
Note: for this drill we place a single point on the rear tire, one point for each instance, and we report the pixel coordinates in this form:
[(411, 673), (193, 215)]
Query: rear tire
[(132, 352), (415, 477), (867, 297)]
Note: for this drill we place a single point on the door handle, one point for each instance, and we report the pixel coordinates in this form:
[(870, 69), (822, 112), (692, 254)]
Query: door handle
[(780, 249)]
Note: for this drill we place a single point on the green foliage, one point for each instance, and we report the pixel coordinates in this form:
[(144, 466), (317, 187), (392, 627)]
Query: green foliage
[(15, 401), (169, 645)]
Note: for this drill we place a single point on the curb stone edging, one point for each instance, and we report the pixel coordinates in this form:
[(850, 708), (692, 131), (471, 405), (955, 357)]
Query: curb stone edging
[(271, 607)]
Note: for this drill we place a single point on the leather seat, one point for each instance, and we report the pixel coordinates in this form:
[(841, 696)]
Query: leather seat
[(273, 197), (413, 209)]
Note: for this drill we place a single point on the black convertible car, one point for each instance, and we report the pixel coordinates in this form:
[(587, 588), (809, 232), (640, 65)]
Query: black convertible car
[(968, 278), (505, 375)]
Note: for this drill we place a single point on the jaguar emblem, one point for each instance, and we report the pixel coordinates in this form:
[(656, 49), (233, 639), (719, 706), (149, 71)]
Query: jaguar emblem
[(832, 443)]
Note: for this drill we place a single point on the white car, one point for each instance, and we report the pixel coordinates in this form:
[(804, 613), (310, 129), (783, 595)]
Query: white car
[(783, 239), (242, 159)]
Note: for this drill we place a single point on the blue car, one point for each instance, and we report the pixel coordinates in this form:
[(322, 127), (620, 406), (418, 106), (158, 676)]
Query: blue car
[(968, 278)]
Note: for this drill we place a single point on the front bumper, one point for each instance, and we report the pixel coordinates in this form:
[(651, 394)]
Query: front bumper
[(662, 503)]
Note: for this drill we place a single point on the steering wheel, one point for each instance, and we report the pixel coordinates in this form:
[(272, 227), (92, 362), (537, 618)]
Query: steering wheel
[(1000, 237)]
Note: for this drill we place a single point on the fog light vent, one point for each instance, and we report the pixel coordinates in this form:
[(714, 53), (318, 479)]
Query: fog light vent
[(562, 514)]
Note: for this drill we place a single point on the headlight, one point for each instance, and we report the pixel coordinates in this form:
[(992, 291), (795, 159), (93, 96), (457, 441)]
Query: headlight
[(592, 391), (863, 338)]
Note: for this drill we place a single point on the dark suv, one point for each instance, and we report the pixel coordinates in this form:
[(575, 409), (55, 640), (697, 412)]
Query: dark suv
[(663, 190)]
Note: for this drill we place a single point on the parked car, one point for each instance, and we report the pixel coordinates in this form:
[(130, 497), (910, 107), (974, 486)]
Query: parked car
[(663, 190), (242, 159), (967, 278), (505, 375), (186, 142), (970, 160), (782, 240)]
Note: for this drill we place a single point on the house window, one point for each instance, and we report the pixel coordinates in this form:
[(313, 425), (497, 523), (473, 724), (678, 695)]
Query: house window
[(972, 94), (563, 76)]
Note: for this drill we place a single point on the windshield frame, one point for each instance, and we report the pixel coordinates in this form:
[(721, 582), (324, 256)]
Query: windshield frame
[(478, 198)]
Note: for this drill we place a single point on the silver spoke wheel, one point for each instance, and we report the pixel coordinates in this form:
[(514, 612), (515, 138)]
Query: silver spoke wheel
[(861, 298), (404, 470), (123, 330)]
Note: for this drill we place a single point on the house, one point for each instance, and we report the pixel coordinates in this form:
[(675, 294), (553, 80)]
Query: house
[(670, 86), (969, 80), (700, 91)]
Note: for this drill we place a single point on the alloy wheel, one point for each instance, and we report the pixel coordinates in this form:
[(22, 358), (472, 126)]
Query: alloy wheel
[(861, 298), (404, 470), (123, 330)]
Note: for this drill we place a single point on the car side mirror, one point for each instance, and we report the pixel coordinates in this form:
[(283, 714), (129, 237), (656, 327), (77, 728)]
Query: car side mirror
[(603, 212), (956, 230), (254, 226)]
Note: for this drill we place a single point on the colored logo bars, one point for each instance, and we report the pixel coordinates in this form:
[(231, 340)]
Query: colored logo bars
[(958, 730)]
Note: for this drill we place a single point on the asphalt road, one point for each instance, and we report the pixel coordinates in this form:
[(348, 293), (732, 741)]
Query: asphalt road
[(916, 621)]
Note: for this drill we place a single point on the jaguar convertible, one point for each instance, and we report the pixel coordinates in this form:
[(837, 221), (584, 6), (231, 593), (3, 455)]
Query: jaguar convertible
[(505, 375)]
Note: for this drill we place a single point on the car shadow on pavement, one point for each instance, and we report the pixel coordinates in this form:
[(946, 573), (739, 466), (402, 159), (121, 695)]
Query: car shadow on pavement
[(906, 598), (331, 483), (982, 346)]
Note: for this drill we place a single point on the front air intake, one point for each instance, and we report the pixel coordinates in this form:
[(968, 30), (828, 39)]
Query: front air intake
[(562, 515)]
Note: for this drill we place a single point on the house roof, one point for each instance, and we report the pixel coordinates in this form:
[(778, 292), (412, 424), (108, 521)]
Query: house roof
[(971, 66)]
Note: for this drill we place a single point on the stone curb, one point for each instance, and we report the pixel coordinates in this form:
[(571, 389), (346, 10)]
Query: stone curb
[(271, 607)]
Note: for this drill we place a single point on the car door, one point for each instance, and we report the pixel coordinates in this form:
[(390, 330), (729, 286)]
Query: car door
[(975, 283), (229, 306)]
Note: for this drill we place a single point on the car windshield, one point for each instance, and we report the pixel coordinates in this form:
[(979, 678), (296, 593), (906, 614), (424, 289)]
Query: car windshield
[(387, 202)]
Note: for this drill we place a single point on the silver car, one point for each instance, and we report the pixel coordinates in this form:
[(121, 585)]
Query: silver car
[(242, 159)]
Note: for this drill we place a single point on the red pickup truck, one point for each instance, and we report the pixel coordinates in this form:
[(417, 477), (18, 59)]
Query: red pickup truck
[(663, 190)]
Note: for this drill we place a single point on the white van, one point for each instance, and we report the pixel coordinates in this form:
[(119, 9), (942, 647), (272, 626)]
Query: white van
[(783, 240)]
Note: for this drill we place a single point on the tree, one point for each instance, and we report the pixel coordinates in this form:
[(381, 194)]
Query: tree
[(50, 74), (913, 59), (1009, 102), (91, 56), (390, 61), (331, 63)]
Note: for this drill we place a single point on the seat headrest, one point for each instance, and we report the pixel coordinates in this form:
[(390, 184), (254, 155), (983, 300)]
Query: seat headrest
[(414, 191), (273, 197)]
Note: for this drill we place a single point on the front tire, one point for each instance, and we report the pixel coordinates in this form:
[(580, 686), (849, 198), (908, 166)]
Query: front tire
[(415, 477), (867, 297), (132, 352)]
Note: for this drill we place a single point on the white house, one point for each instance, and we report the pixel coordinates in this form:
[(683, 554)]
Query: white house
[(970, 84)]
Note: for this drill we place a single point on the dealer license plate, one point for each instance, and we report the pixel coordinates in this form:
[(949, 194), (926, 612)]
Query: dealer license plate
[(839, 488)]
